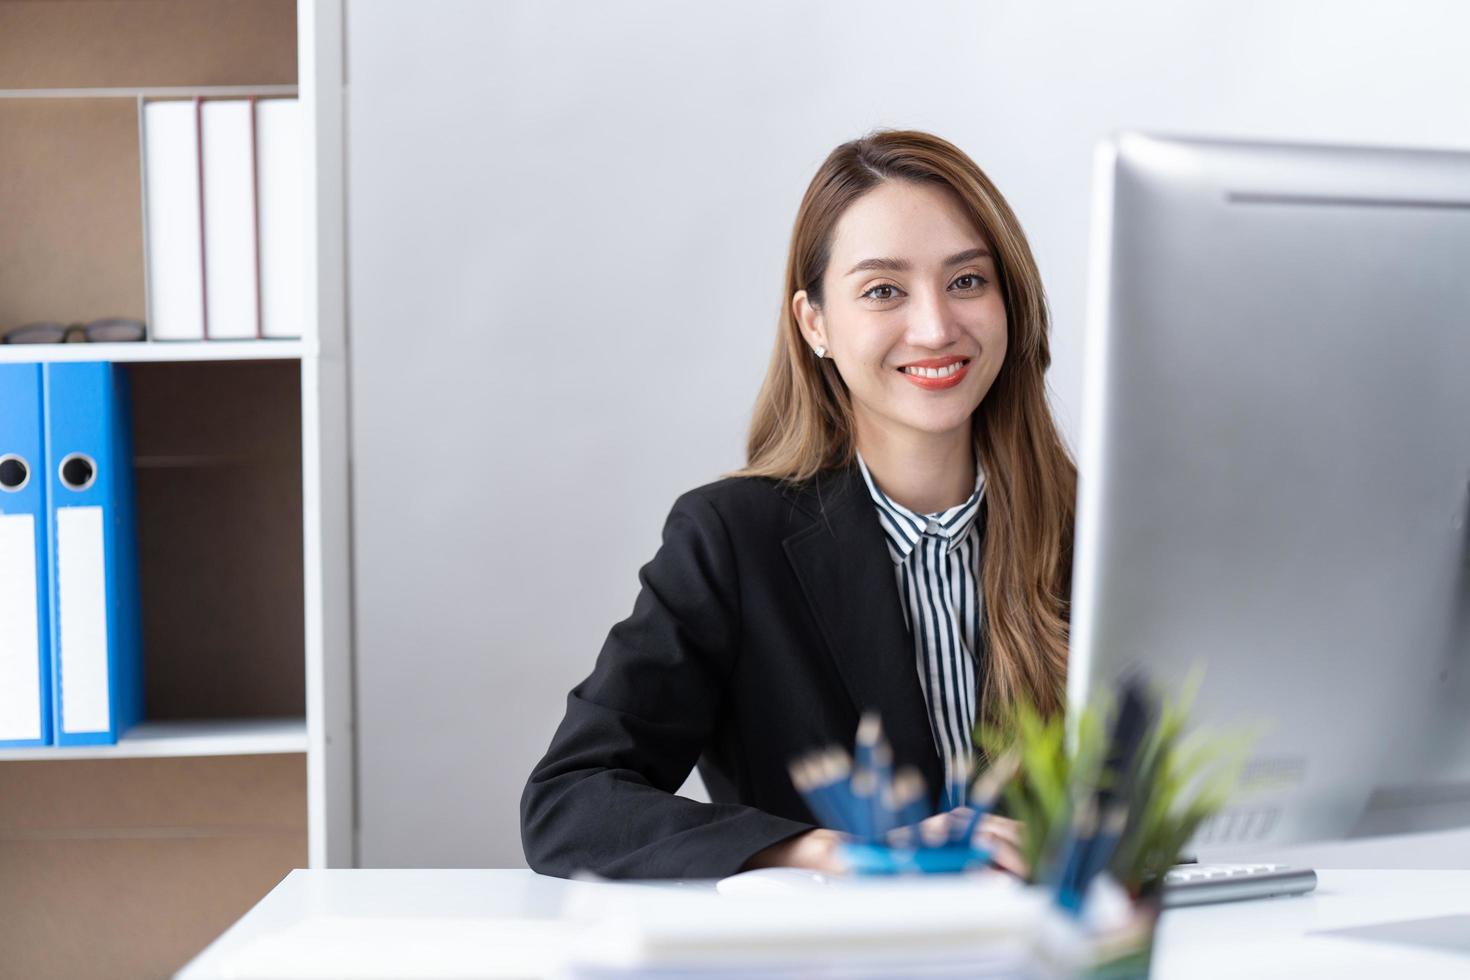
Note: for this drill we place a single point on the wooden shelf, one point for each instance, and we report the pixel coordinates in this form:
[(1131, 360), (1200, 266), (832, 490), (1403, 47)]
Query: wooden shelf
[(159, 351), (155, 739)]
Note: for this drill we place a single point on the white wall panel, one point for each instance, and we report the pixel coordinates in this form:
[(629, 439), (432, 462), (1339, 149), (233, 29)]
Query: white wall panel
[(566, 229)]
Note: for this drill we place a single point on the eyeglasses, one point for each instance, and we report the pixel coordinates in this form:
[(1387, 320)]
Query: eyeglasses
[(113, 330)]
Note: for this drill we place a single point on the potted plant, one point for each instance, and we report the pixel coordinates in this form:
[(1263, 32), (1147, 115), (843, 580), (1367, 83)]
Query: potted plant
[(1119, 801)]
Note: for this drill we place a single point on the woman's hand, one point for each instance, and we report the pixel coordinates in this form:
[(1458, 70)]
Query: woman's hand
[(815, 849), (1001, 836)]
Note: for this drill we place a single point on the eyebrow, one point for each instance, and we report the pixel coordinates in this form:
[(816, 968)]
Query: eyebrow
[(901, 265)]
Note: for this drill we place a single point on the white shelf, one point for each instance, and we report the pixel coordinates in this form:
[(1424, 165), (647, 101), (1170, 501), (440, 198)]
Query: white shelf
[(176, 92), (158, 351), (159, 739)]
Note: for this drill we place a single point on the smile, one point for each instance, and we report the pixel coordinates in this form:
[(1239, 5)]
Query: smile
[(943, 372), (936, 378)]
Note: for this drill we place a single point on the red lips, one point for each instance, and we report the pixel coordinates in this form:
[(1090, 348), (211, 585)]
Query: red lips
[(938, 384)]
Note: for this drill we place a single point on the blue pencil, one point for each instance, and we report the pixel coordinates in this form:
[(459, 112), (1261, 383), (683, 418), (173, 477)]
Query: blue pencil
[(987, 788), (1091, 843), (1070, 884), (869, 730), (837, 780), (867, 784), (806, 777), (910, 795), (864, 803), (1114, 821), (959, 776)]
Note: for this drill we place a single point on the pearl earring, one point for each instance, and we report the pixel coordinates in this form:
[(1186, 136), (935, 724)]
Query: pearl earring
[(820, 351)]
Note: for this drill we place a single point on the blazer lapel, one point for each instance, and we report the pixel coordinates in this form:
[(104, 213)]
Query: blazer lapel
[(848, 579)]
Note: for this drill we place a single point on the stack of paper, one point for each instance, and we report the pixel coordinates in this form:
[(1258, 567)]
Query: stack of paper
[(986, 925)]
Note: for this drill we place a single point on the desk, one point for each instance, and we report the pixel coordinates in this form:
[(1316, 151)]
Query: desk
[(486, 923)]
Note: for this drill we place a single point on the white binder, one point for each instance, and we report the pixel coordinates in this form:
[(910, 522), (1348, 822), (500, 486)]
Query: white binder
[(280, 171), (172, 210), (25, 689), (227, 147)]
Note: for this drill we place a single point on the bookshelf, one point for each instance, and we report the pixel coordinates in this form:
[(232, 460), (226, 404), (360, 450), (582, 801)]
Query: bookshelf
[(243, 766)]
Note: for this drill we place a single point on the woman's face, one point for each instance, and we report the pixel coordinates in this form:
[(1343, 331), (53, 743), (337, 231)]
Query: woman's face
[(911, 292)]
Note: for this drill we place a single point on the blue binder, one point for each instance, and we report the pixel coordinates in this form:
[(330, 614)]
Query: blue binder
[(25, 647), (92, 550)]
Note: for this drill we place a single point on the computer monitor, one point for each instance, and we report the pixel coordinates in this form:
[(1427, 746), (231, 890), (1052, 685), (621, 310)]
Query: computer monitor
[(1275, 463)]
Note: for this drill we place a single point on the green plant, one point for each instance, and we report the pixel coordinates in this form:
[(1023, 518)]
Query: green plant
[(1180, 781)]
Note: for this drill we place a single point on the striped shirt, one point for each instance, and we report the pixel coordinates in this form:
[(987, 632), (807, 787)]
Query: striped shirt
[(937, 562)]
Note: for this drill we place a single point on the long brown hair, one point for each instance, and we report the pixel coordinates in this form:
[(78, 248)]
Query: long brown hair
[(803, 416)]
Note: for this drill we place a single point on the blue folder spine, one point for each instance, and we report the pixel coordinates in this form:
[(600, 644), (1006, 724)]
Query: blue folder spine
[(23, 509), (96, 641)]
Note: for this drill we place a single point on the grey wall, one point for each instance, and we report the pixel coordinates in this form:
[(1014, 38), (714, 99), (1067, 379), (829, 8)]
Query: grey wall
[(567, 225)]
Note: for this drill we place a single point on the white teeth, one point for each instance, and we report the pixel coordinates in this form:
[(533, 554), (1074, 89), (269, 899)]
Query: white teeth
[(943, 372)]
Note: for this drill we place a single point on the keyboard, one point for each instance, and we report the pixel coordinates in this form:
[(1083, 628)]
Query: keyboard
[(1199, 884)]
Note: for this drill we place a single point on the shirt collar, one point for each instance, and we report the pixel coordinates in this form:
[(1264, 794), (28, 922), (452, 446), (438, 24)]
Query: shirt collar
[(903, 528)]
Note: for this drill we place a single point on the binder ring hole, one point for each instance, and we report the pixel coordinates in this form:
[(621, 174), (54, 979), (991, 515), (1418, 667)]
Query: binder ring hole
[(14, 473), (78, 471)]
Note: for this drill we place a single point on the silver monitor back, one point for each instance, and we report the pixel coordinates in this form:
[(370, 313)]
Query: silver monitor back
[(1275, 462)]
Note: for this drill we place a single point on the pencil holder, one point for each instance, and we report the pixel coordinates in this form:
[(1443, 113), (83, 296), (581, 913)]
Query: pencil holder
[(879, 809), (887, 859)]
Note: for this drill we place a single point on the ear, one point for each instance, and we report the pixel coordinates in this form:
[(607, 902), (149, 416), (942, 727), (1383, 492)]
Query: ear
[(809, 320)]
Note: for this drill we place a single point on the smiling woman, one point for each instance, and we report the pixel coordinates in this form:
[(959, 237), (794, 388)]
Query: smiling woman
[(899, 540)]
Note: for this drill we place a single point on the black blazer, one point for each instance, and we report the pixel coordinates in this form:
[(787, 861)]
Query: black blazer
[(767, 622)]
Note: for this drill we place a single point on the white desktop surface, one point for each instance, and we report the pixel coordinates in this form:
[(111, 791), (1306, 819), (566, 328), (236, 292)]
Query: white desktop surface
[(502, 923), (1296, 936)]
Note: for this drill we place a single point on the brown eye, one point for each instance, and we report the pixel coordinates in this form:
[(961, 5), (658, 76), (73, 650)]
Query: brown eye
[(869, 293), (977, 281)]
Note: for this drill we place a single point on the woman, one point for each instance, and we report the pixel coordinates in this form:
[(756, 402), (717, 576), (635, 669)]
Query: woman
[(899, 540)]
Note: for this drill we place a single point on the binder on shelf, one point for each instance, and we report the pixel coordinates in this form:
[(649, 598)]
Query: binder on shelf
[(25, 667), (280, 169), (173, 216), (227, 152), (96, 657)]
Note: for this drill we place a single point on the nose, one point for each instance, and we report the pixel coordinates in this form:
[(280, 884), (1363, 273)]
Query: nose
[(931, 323)]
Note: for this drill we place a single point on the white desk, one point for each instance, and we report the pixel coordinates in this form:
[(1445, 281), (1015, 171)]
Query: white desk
[(484, 923)]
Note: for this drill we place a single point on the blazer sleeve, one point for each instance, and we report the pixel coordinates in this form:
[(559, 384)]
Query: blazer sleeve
[(602, 799)]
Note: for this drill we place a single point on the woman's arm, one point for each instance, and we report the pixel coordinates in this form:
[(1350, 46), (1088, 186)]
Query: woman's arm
[(815, 849), (602, 799)]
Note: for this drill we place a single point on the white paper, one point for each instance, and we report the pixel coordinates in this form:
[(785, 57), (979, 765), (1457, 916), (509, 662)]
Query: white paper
[(970, 926), (81, 587), (20, 665)]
